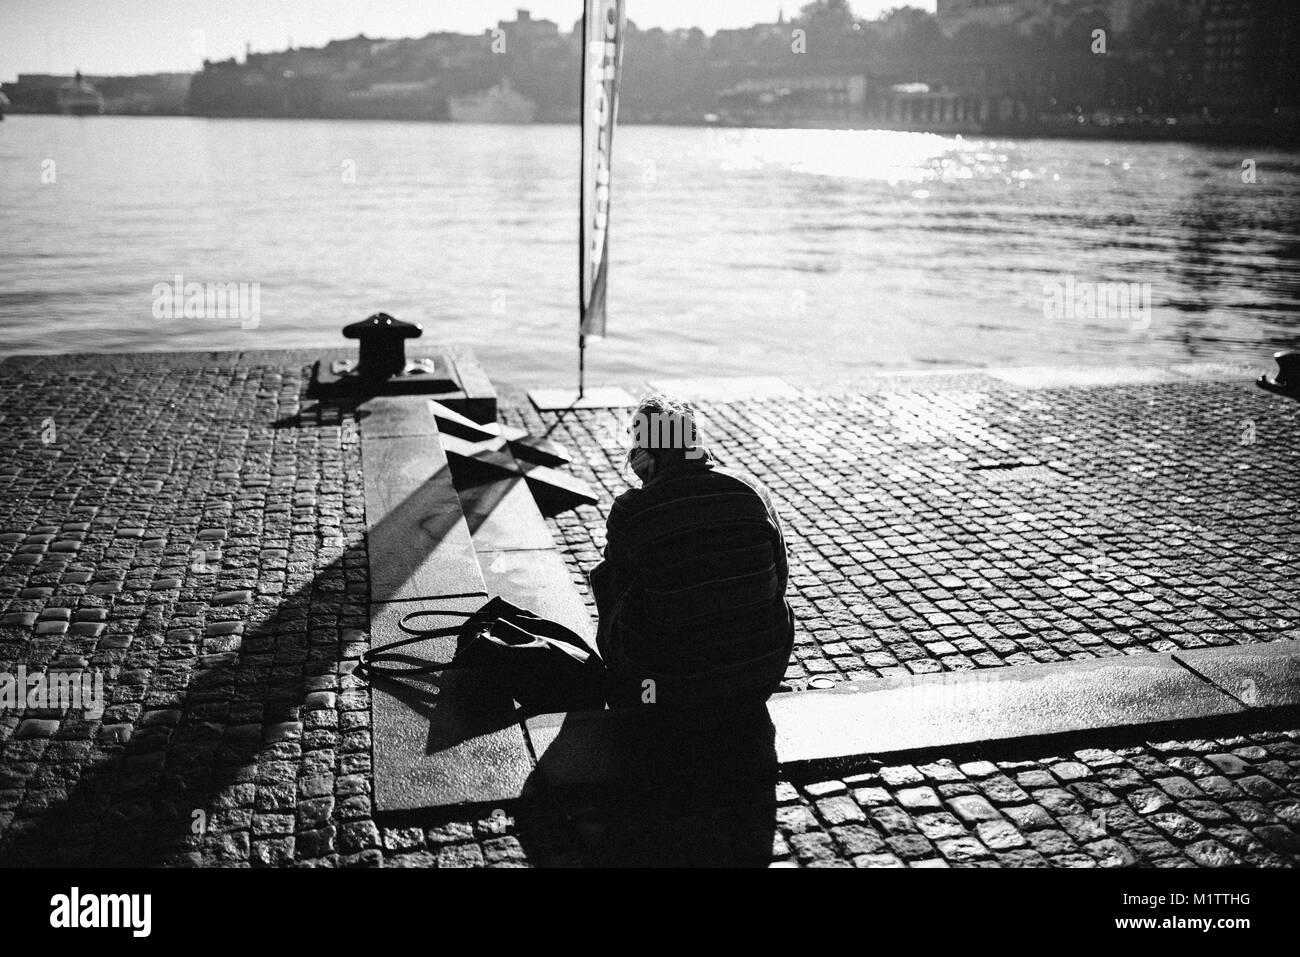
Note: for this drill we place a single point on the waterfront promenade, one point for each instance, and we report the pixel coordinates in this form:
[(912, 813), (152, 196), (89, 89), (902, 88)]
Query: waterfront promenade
[(193, 527)]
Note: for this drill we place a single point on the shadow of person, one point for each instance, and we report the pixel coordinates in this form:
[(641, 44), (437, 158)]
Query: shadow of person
[(647, 787)]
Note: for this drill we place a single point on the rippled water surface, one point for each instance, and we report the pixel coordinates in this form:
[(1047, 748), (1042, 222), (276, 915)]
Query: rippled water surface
[(733, 251)]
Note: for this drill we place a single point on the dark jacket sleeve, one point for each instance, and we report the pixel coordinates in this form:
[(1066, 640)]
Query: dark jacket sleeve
[(782, 556), (611, 578), (778, 536)]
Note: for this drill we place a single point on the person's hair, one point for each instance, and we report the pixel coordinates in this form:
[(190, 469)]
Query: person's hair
[(665, 426)]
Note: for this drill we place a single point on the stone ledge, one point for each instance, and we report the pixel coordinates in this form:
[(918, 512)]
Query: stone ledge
[(1001, 704), (902, 716), (1259, 676), (955, 709)]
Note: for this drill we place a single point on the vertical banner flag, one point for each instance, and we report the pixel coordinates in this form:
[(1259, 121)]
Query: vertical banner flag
[(602, 60)]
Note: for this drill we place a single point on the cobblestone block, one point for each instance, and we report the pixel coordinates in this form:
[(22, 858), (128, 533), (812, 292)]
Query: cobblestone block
[(973, 809), (840, 809)]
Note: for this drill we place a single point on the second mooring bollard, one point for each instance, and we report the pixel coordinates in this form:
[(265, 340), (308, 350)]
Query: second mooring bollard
[(382, 340)]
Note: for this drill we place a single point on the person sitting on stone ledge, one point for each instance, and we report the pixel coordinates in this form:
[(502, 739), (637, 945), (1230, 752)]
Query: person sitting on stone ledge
[(691, 592)]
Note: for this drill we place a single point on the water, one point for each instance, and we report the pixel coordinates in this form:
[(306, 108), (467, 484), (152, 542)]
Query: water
[(733, 251)]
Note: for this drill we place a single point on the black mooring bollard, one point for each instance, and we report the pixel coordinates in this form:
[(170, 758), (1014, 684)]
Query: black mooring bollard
[(1287, 380), (382, 367), (383, 344)]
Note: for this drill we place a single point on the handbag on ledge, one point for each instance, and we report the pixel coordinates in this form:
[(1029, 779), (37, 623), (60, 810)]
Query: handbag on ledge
[(541, 664)]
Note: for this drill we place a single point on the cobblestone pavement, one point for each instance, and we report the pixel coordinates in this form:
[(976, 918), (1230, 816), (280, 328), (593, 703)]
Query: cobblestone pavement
[(1230, 802), (175, 526), (192, 528)]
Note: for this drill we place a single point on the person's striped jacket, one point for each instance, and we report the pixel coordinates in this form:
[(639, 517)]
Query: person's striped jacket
[(691, 592)]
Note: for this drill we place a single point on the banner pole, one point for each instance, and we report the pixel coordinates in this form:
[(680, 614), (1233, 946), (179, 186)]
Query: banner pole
[(582, 193), (582, 352)]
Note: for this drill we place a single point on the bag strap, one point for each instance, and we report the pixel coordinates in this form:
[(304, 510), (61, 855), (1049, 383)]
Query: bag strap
[(435, 632), (374, 661)]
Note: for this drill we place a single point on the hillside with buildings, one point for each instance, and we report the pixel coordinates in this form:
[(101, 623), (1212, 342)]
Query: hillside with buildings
[(1085, 67)]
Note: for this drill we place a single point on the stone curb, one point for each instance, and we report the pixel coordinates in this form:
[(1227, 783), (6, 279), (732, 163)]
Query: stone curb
[(971, 710)]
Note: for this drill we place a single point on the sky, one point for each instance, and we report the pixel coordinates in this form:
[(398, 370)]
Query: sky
[(151, 36)]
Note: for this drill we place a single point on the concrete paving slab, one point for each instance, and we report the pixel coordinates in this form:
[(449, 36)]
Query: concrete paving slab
[(524, 445), (394, 416), (728, 388), (432, 746), (583, 747), (538, 450), (502, 516), (487, 451), (1054, 377), (556, 491), (1259, 676), (417, 539), (480, 397), (595, 397), (451, 422), (490, 460), (510, 433), (1005, 704), (538, 580)]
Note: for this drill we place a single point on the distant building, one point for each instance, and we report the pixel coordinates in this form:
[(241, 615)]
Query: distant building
[(1251, 48), (794, 100), (1028, 15), (525, 30), (955, 14), (915, 106), (149, 94)]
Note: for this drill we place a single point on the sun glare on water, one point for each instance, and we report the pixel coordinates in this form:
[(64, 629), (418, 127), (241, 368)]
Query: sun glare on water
[(881, 155)]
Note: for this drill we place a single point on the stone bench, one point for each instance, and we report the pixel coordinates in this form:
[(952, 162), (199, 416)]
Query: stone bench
[(437, 543)]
